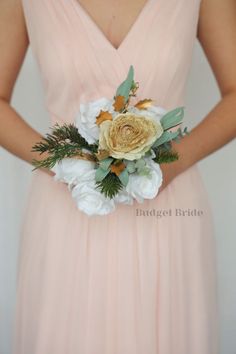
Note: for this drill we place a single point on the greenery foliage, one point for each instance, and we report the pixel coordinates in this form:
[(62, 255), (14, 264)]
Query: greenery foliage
[(65, 141), (110, 185)]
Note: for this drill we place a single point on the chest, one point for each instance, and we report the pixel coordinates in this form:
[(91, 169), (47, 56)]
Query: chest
[(113, 18), (77, 58)]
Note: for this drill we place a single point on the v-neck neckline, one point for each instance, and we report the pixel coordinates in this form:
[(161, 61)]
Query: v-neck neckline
[(102, 34)]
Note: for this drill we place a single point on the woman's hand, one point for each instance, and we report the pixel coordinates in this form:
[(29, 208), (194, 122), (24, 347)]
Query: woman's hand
[(41, 157), (173, 169), (48, 171), (169, 173)]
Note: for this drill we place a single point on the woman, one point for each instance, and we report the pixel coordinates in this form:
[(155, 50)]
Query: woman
[(121, 283)]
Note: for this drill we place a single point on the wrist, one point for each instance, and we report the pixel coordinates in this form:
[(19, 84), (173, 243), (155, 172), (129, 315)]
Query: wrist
[(184, 161), (48, 171)]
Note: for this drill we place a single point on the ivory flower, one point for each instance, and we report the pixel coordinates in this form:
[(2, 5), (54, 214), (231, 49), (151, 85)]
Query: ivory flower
[(142, 187), (129, 135)]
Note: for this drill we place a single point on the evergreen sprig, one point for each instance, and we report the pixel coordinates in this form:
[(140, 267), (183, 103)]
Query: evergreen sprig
[(165, 156), (61, 152), (165, 153), (64, 141), (61, 133), (110, 185)]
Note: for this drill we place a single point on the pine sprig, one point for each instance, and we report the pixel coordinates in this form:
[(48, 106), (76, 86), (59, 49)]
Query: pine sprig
[(60, 134), (110, 185), (165, 156), (58, 154), (64, 141)]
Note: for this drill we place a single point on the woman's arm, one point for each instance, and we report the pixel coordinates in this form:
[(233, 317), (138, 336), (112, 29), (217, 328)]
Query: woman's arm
[(16, 135), (217, 36)]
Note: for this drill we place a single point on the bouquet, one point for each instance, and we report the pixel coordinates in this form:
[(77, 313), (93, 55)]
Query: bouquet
[(113, 151)]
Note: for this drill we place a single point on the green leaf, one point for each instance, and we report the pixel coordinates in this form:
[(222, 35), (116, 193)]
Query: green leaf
[(186, 131), (133, 85), (172, 118), (110, 185), (104, 164), (165, 156), (124, 177), (139, 164), (145, 171), (165, 137), (100, 174), (148, 153), (125, 86), (181, 134), (177, 139), (130, 166), (64, 141)]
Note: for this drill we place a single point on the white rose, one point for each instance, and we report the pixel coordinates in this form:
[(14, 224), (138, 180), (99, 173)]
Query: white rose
[(90, 200), (71, 170), (123, 197), (86, 118), (143, 187), (155, 112)]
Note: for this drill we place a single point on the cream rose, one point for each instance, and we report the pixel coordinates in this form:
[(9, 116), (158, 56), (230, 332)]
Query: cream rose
[(129, 135)]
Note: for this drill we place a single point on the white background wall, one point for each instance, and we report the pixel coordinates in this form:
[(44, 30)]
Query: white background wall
[(218, 170)]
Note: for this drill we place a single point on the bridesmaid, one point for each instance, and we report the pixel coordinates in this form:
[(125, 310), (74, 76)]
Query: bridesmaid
[(218, 39)]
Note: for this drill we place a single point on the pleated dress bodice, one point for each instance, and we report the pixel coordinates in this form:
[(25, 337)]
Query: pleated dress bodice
[(78, 63)]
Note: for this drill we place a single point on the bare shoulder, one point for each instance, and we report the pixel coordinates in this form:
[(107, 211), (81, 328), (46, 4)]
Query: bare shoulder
[(217, 36), (13, 44)]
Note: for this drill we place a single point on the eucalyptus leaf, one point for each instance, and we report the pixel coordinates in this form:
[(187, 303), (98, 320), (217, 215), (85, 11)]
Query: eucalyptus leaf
[(125, 86), (104, 164), (186, 131), (177, 139), (172, 118), (100, 174), (148, 153), (131, 166), (144, 172), (124, 177), (133, 85), (140, 163), (165, 137)]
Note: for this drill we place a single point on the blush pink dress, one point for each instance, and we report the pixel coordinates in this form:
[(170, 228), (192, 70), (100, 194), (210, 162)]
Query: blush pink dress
[(122, 283)]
